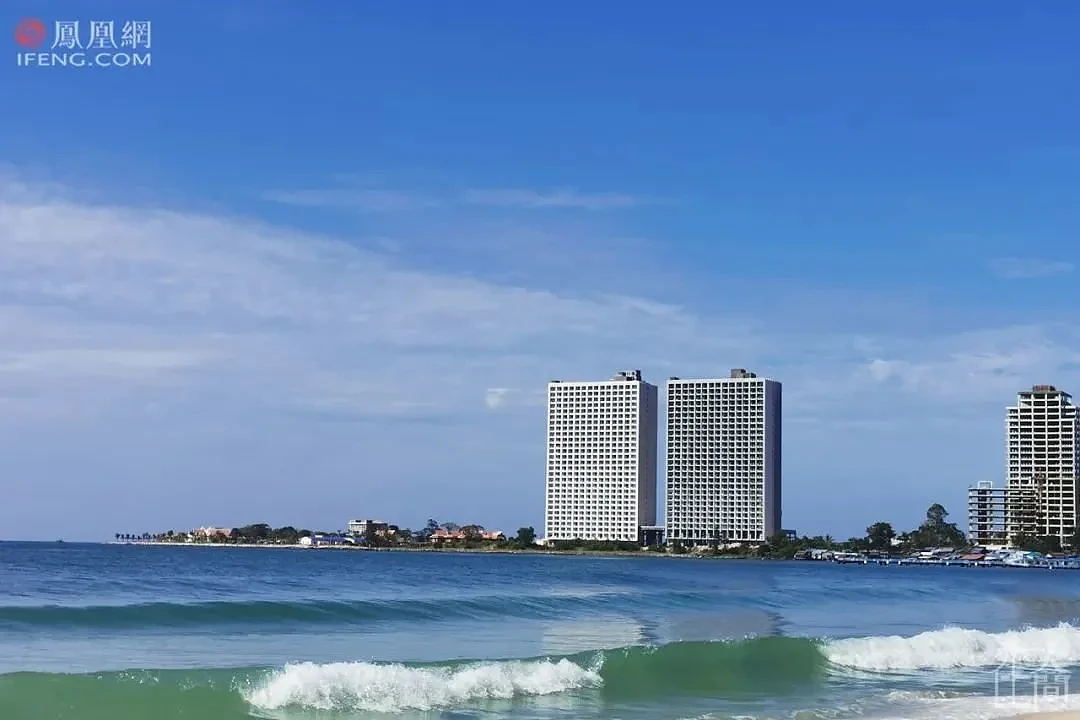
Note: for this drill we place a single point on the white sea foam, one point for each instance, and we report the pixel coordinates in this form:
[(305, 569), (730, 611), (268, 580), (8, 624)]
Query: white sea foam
[(981, 708), (390, 688), (958, 648), (373, 687)]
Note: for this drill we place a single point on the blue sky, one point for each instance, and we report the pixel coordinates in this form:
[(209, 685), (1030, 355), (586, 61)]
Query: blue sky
[(319, 265)]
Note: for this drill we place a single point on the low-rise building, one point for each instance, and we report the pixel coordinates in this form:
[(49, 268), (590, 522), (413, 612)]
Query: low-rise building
[(325, 540), (651, 535), (209, 532), (988, 518), (370, 528), (442, 535)]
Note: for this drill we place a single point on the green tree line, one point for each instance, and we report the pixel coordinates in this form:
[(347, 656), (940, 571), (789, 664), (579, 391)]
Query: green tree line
[(935, 531)]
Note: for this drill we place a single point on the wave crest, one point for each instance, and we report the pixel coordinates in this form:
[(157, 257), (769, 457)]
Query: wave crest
[(755, 667), (958, 648), (393, 688), (692, 669)]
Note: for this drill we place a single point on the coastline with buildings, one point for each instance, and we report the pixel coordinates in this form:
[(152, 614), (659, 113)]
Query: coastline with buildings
[(1036, 507), (723, 473), (723, 487)]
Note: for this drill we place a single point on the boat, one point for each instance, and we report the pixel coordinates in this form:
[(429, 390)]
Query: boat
[(1022, 558)]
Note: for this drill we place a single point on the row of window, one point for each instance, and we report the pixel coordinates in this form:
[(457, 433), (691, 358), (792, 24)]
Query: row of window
[(718, 409), (698, 456), (739, 501), (725, 390), (687, 494), (709, 479), (572, 460), (711, 423), (593, 388), (618, 442)]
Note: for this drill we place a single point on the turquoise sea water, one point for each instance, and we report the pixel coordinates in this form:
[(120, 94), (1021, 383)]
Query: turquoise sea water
[(95, 632)]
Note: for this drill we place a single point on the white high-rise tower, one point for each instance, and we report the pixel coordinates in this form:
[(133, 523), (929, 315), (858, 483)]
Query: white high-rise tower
[(1043, 458), (601, 459), (723, 459)]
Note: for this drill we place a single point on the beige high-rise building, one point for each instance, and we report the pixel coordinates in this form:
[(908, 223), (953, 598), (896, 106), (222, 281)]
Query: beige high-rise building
[(1042, 457)]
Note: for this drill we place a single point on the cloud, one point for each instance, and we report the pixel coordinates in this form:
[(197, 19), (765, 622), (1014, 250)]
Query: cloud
[(501, 398), (495, 397), (98, 362), (981, 366), (560, 198), (390, 201), (1028, 268), (253, 314), (364, 200), (163, 358)]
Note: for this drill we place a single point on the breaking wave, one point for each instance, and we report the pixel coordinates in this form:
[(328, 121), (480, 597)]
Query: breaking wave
[(959, 648), (757, 667)]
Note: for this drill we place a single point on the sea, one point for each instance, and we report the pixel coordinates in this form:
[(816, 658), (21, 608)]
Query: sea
[(114, 632)]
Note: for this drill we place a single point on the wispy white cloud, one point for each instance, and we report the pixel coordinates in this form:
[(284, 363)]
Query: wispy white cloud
[(495, 397), (195, 349), (122, 363), (1014, 268), (502, 398), (387, 201), (980, 366), (558, 198), (289, 306), (364, 200)]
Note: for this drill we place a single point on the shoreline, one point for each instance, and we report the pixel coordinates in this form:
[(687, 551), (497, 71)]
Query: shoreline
[(483, 551), (573, 553)]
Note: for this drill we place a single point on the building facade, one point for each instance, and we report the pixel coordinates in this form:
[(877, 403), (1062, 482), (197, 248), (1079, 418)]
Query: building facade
[(723, 480), (1042, 459), (601, 459), (987, 514), (369, 528)]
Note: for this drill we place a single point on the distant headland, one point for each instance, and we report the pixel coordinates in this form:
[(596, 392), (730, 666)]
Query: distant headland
[(935, 535)]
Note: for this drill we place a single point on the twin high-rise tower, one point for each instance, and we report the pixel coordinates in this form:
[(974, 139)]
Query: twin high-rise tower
[(723, 470)]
